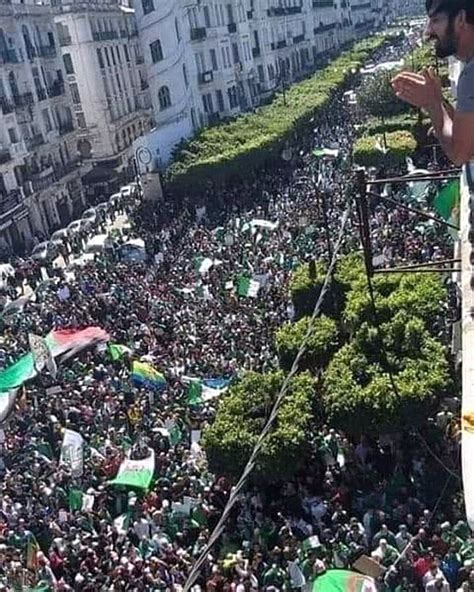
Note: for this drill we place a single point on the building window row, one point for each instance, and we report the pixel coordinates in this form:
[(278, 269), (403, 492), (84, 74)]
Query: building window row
[(164, 98), (156, 51)]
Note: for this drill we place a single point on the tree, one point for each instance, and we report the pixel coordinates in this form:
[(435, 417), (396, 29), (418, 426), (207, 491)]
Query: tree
[(358, 395), (369, 151), (305, 286), (377, 99), (322, 343), (240, 418)]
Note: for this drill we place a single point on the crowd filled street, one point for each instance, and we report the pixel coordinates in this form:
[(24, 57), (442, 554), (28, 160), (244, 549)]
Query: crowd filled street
[(179, 310)]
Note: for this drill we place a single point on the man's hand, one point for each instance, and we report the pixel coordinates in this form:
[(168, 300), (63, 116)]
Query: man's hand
[(420, 90)]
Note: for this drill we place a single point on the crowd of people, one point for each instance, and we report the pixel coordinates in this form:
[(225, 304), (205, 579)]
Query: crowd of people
[(180, 312)]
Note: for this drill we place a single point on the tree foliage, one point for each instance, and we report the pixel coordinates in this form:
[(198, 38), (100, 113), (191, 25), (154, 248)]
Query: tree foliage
[(241, 416), (358, 395), (377, 99), (255, 138), (369, 150), (322, 343)]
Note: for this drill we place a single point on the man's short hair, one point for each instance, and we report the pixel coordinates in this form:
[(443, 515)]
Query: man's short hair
[(451, 7)]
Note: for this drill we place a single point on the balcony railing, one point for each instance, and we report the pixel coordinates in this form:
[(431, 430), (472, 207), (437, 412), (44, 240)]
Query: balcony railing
[(198, 33), (323, 3), (324, 28), (9, 56), (56, 89), (9, 200), (24, 100), (279, 44), (298, 38), (104, 35), (365, 6), (283, 10), (34, 142), (206, 77), (6, 106), (47, 51), (232, 27), (5, 155), (256, 53), (41, 94), (65, 40)]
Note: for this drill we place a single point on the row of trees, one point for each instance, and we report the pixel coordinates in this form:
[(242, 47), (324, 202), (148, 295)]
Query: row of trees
[(255, 138), (354, 375)]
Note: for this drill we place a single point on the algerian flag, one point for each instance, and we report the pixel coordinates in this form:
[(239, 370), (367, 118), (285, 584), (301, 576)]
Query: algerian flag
[(194, 392), (136, 473), (118, 351), (321, 152), (213, 388), (7, 403), (122, 523), (341, 580), (447, 200), (72, 452), (247, 287), (80, 501), (44, 450), (266, 224)]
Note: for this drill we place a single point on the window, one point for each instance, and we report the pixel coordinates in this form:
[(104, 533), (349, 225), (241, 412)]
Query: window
[(81, 120), (156, 51), (148, 6), (207, 18), (233, 100), (226, 57), (230, 13), (68, 66), (106, 53), (76, 97), (200, 62), (164, 98), (214, 59), (100, 59), (112, 55), (207, 103), (220, 100), (127, 55), (261, 74), (47, 120), (119, 57), (12, 135), (185, 76), (235, 53)]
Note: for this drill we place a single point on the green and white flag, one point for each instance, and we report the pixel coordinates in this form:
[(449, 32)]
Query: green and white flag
[(247, 288), (80, 501), (72, 452), (194, 392), (310, 543), (136, 473), (122, 523), (341, 580), (118, 351), (321, 152)]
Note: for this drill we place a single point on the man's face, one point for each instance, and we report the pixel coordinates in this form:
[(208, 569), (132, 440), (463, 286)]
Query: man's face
[(441, 30)]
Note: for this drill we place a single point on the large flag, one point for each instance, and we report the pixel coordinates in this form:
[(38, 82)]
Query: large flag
[(247, 287), (144, 374), (200, 391), (447, 200), (341, 580), (62, 342), (72, 452), (136, 473)]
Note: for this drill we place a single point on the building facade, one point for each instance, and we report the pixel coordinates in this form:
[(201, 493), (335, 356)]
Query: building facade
[(209, 60), (40, 187), (104, 66)]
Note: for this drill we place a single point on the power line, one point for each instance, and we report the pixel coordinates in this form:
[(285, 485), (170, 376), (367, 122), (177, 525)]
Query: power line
[(216, 533)]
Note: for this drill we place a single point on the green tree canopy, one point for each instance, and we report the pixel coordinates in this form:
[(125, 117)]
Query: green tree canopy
[(322, 343), (377, 99), (368, 150), (241, 416)]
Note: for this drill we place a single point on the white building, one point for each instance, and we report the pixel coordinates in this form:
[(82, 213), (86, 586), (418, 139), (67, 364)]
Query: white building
[(105, 70), (208, 60), (40, 184)]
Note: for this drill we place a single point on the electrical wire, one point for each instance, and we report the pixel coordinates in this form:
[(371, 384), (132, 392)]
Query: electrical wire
[(218, 529)]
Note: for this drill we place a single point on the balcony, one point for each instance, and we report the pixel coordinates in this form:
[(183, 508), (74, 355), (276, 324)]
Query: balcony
[(139, 60), (56, 89), (256, 53), (198, 33), (324, 28), (104, 35), (323, 3), (365, 6), (298, 38), (24, 100), (5, 155), (34, 142), (65, 40), (284, 10), (232, 27), (47, 51), (8, 56), (43, 179), (66, 127), (205, 77), (9, 200), (249, 15), (41, 94), (279, 44)]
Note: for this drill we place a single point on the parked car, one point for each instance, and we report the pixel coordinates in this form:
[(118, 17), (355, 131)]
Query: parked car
[(59, 236), (45, 251), (89, 215)]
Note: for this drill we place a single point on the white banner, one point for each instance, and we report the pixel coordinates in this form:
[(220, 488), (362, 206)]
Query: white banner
[(72, 452)]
